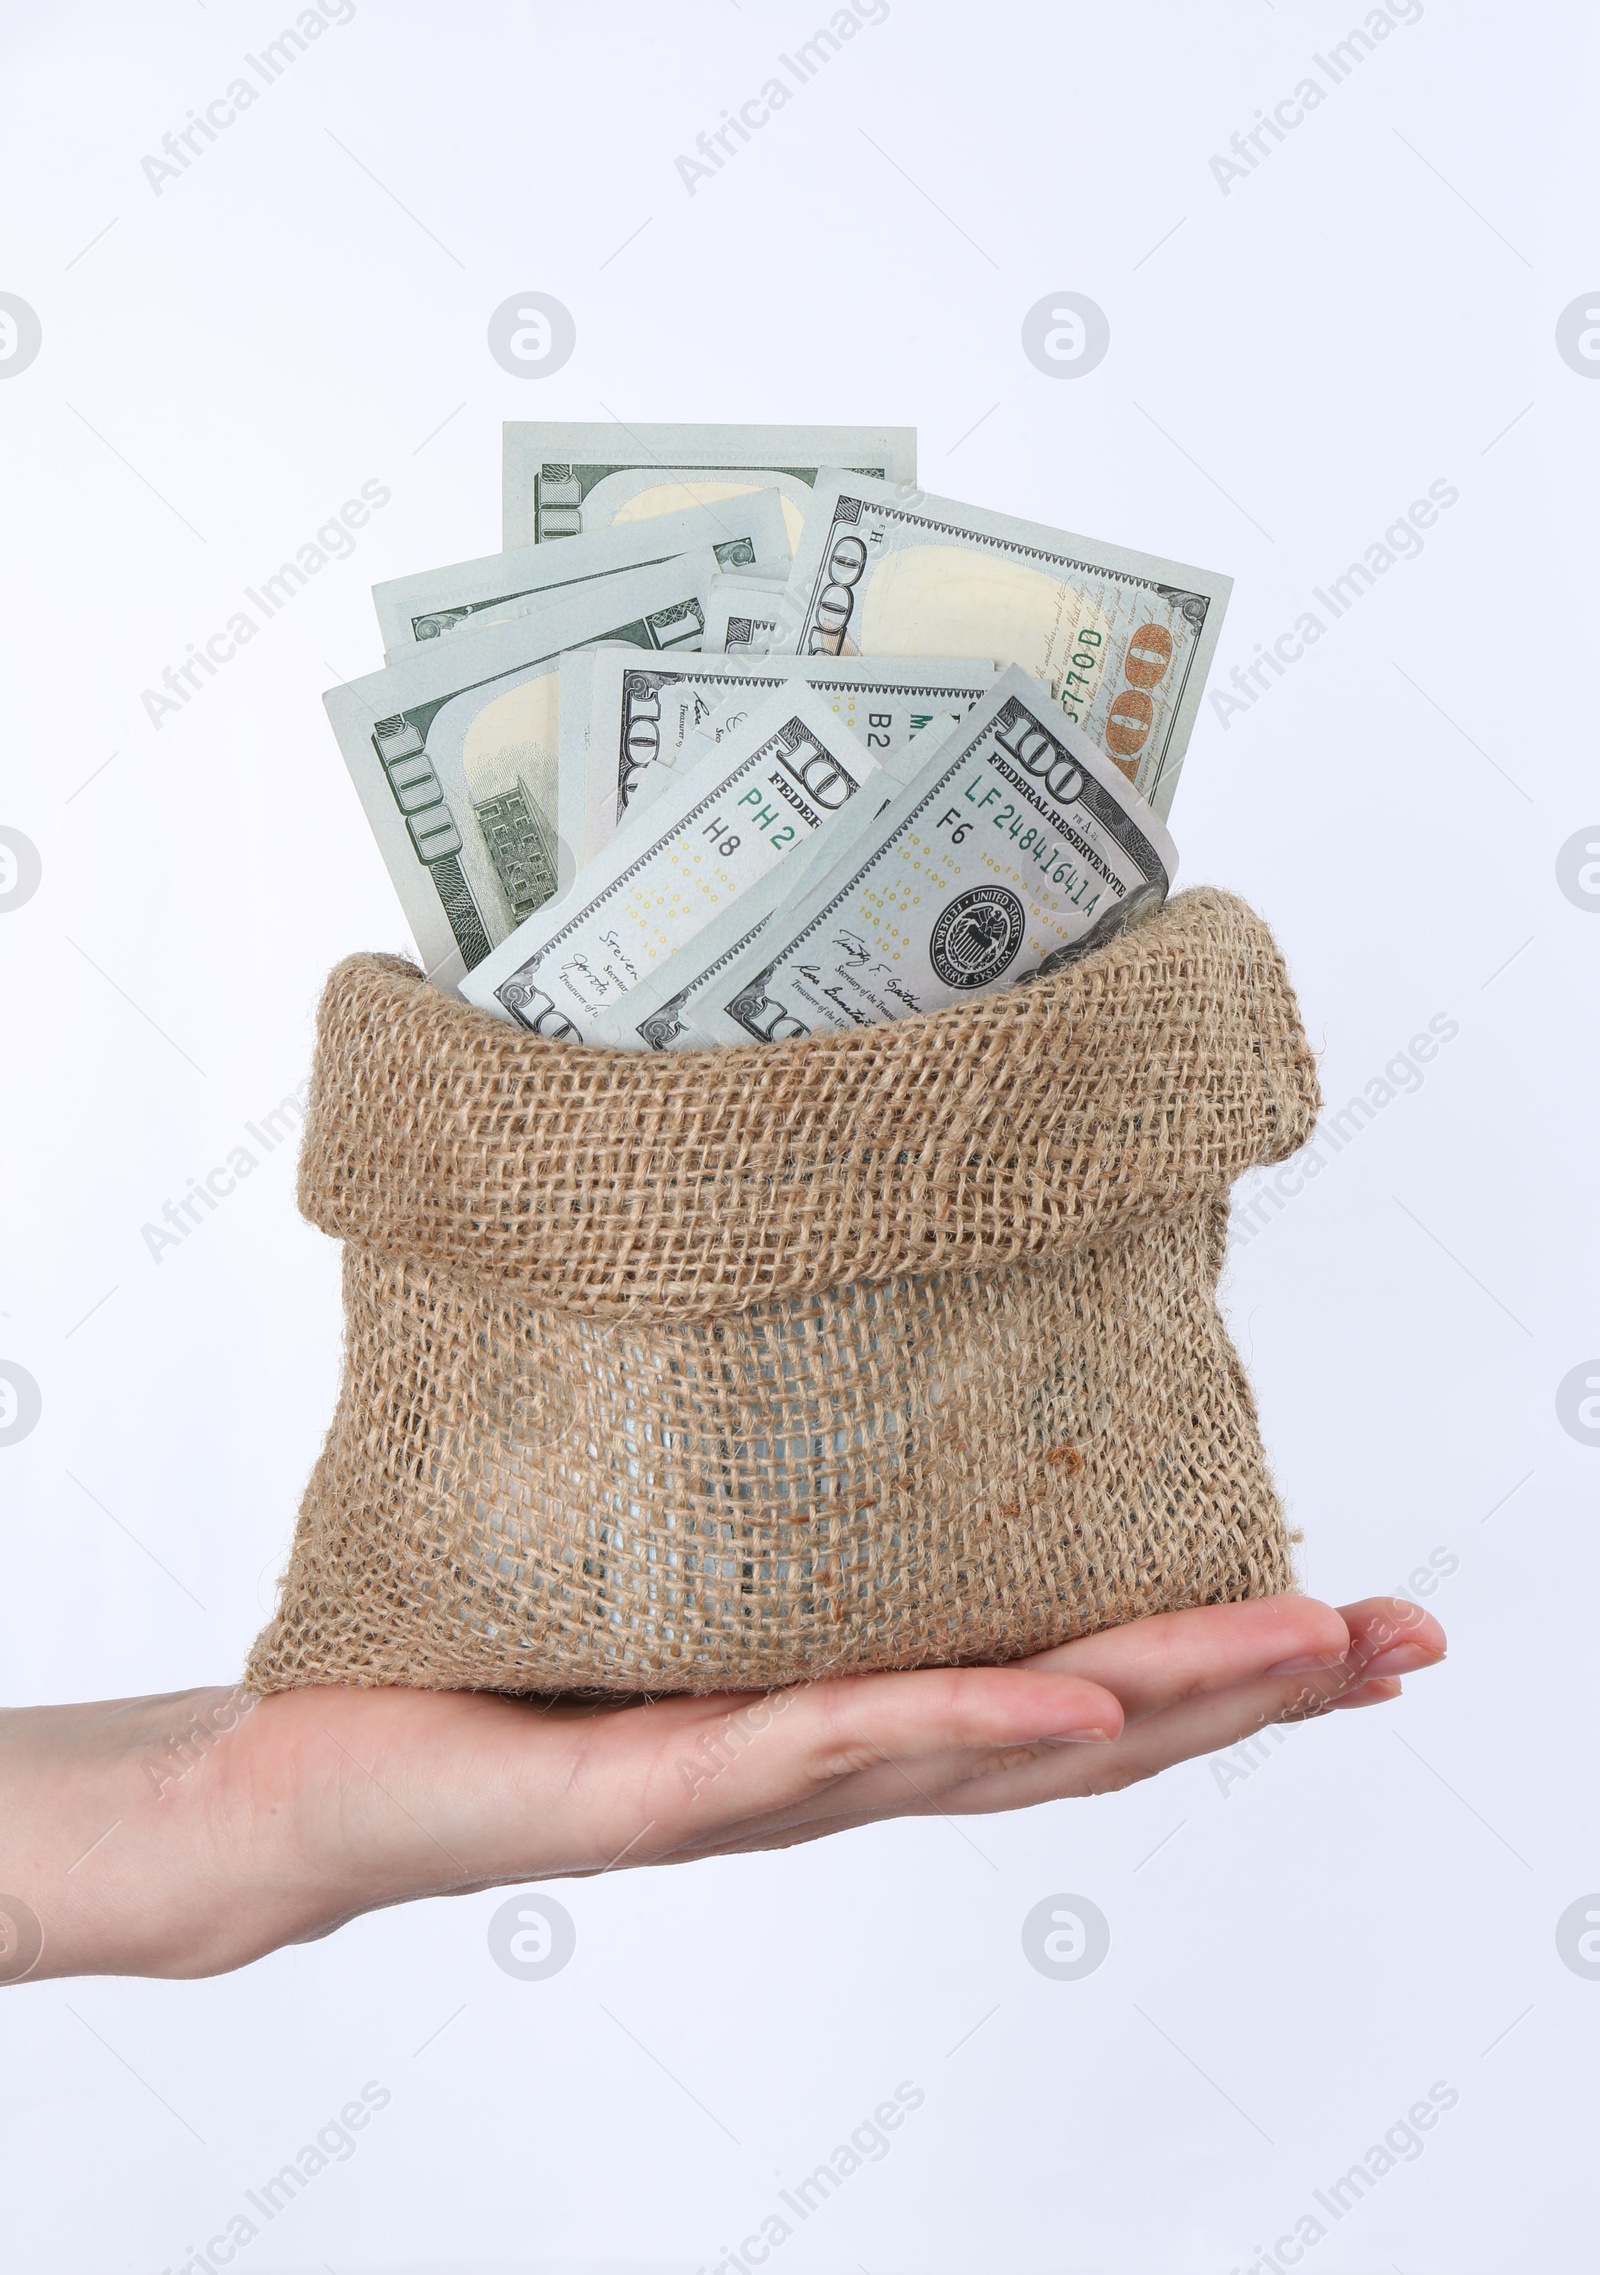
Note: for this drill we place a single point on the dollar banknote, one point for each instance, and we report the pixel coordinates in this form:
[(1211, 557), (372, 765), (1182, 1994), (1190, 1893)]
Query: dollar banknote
[(642, 716), (1016, 840), (747, 531), (1123, 640), (658, 1014), (561, 478), (454, 754), (742, 614), (669, 870)]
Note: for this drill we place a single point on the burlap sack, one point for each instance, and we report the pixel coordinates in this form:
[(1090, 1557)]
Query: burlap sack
[(729, 1368)]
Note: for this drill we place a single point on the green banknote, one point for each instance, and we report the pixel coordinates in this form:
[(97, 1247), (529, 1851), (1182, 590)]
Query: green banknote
[(454, 754), (720, 828), (1015, 840), (644, 715), (658, 1014), (744, 532), (562, 477), (1122, 640)]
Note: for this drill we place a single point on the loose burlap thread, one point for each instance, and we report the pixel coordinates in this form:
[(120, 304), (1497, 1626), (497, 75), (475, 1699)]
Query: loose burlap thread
[(725, 1369)]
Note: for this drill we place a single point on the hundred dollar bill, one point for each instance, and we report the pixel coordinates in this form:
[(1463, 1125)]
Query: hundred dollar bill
[(742, 532), (1015, 840), (561, 478), (722, 826), (453, 753), (659, 1013), (742, 614), (643, 717), (1122, 639)]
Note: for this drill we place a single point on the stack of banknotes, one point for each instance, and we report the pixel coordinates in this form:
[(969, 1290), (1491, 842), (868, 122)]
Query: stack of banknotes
[(744, 737)]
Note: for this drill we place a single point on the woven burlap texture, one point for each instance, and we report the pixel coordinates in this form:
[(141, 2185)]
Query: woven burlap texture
[(730, 1368)]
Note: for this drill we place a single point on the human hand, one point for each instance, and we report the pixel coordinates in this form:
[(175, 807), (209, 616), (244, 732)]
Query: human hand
[(189, 1834)]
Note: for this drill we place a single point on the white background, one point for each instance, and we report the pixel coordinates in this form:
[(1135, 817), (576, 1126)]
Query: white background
[(1294, 1960)]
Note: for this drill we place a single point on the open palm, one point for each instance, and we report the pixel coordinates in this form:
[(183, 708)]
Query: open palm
[(187, 1834)]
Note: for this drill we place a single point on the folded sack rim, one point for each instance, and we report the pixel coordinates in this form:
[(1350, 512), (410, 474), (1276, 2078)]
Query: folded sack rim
[(1007, 1128)]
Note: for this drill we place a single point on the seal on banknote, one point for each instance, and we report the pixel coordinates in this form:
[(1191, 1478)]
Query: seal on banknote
[(977, 937)]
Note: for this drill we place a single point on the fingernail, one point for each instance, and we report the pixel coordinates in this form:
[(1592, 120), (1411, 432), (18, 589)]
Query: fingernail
[(1402, 1659), (1318, 1659), (1075, 1738)]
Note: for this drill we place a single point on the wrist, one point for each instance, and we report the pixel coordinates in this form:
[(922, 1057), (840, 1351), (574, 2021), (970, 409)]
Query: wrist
[(100, 1810)]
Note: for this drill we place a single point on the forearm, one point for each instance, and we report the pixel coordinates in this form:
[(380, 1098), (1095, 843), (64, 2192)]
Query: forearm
[(191, 1833), (102, 1815)]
